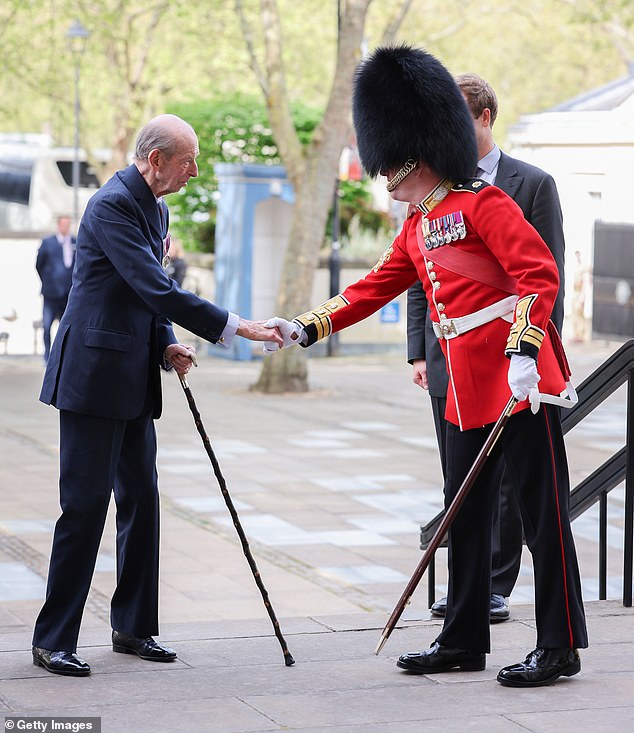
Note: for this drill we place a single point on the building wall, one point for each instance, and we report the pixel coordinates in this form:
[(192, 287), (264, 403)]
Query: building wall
[(590, 154), (20, 292)]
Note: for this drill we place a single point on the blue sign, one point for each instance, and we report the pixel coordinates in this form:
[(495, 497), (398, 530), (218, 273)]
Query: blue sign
[(390, 313)]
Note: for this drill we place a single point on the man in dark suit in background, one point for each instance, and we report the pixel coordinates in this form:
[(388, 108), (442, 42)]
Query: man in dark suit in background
[(103, 375), (54, 265), (536, 194)]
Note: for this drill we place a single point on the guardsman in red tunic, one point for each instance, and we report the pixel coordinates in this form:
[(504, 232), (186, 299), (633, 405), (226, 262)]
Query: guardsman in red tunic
[(491, 283)]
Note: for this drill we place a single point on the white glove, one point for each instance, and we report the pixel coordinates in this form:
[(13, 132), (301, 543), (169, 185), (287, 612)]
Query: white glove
[(291, 332), (523, 376), (535, 400)]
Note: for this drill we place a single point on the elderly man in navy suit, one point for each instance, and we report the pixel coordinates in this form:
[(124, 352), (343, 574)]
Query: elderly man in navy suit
[(103, 375), (54, 265), (535, 193)]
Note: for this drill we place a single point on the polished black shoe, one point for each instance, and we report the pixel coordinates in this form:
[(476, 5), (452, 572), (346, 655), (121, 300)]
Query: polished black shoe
[(439, 609), (500, 610), (144, 648), (439, 658), (541, 667), (66, 663)]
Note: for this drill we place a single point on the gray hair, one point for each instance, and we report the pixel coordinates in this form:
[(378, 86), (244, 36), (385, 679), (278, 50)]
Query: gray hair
[(163, 133)]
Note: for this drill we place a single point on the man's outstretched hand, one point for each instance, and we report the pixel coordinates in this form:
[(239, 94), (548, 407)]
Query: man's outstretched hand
[(260, 331), (292, 334)]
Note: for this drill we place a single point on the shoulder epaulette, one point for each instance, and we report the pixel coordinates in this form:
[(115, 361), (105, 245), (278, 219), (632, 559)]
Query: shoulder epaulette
[(472, 185)]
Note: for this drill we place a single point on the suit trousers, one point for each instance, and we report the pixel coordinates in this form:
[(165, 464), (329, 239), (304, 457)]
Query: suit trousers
[(52, 310), (507, 531), (534, 452), (100, 456)]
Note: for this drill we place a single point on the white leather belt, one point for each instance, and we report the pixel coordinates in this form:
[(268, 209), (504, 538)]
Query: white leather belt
[(449, 328)]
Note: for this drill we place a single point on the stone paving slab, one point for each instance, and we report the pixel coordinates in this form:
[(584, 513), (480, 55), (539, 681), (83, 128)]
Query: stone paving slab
[(239, 684), (352, 470)]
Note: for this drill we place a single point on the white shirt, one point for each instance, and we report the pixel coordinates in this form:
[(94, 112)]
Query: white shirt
[(67, 250), (488, 165)]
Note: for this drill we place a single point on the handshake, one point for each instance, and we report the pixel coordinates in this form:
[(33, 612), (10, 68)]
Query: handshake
[(292, 333)]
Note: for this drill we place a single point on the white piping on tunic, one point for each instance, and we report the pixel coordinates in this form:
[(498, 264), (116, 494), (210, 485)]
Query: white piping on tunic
[(453, 386), (450, 369)]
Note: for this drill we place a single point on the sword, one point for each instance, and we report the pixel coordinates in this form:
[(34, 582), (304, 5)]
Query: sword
[(447, 520), (288, 658)]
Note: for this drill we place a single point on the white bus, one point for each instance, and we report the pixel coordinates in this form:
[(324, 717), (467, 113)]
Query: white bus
[(36, 183)]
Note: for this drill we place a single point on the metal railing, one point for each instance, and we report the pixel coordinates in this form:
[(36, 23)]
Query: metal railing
[(606, 379)]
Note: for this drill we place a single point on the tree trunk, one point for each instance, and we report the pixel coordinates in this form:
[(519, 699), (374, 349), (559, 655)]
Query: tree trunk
[(313, 173), (287, 371)]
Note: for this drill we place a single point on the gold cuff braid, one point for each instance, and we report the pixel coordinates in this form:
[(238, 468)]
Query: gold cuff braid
[(524, 337), (317, 323)]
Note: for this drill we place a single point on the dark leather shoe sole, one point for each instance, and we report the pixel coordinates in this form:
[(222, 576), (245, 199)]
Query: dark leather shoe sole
[(569, 670), (120, 649), (471, 665), (66, 672)]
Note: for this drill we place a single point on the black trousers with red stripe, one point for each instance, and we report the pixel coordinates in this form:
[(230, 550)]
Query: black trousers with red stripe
[(535, 454)]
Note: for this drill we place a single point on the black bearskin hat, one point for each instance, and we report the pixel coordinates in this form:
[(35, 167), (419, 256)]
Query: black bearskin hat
[(406, 105)]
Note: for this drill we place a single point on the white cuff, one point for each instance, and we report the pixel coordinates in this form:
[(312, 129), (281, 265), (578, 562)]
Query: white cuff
[(229, 331)]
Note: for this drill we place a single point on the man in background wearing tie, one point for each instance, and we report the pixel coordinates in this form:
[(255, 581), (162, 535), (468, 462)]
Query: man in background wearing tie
[(535, 193), (54, 265)]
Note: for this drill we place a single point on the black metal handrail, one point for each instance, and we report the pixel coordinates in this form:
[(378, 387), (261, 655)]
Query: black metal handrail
[(594, 390)]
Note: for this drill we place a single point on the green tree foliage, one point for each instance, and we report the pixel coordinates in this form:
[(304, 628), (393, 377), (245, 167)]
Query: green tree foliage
[(356, 205), (535, 54), (235, 130), (230, 130)]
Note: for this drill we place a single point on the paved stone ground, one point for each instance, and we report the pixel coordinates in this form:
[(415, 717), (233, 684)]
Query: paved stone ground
[(331, 488)]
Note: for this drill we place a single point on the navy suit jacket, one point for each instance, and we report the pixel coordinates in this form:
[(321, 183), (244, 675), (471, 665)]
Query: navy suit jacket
[(110, 342), (535, 192), (49, 263)]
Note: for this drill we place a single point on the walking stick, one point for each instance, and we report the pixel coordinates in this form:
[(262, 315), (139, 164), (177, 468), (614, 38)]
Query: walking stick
[(447, 520), (288, 658)]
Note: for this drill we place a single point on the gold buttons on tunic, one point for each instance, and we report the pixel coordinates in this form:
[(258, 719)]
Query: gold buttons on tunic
[(441, 307)]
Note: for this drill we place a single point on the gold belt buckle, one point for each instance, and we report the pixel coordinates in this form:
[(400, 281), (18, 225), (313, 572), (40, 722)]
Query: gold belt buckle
[(448, 327)]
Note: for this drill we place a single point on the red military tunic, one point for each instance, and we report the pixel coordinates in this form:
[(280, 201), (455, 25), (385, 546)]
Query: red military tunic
[(497, 232)]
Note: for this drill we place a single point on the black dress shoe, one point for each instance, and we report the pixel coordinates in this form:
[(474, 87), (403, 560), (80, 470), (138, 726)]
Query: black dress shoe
[(439, 658), (500, 610), (439, 609), (541, 667), (145, 648), (61, 662)]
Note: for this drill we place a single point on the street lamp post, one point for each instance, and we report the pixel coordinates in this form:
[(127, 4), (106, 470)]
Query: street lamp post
[(349, 170), (77, 37)]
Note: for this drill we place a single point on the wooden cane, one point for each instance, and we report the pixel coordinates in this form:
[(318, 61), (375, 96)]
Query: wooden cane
[(288, 658), (447, 520)]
